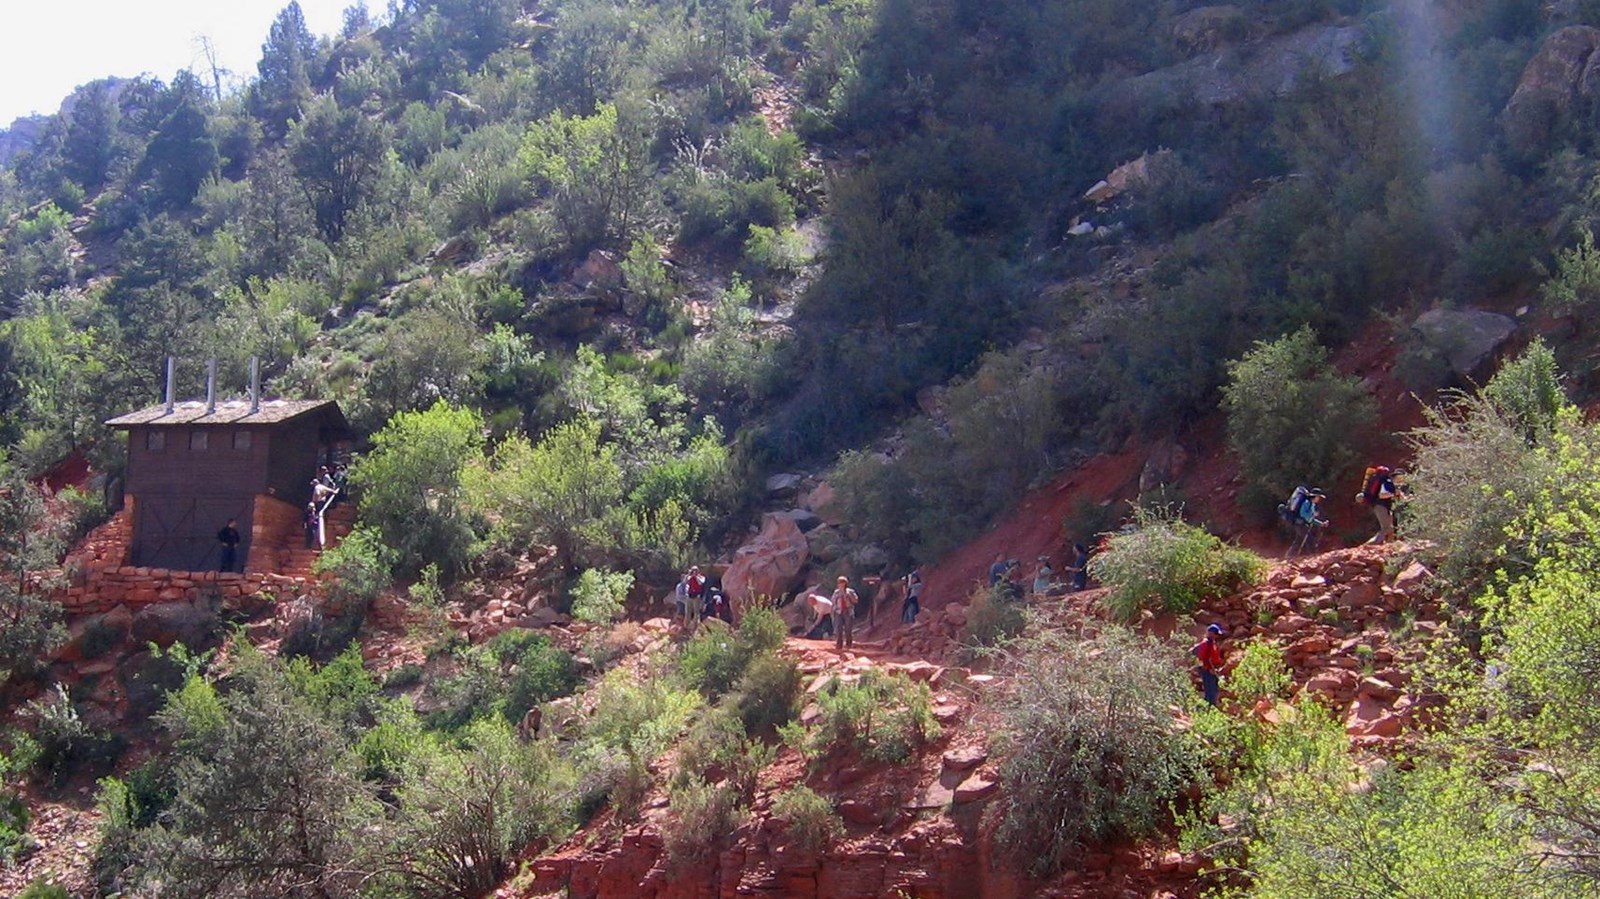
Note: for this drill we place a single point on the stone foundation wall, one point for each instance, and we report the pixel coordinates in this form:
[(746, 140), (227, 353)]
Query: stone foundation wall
[(139, 587), (106, 546), (278, 528)]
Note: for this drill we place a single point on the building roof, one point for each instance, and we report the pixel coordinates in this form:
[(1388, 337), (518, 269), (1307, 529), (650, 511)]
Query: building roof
[(231, 412)]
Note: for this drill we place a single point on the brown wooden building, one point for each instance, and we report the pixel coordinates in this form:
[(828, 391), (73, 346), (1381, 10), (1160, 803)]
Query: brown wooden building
[(189, 471)]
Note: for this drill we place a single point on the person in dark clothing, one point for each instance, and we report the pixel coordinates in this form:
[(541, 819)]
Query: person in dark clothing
[(1079, 567), (311, 525), (997, 571), (229, 538)]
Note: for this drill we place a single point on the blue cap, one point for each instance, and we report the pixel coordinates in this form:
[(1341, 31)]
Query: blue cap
[(1214, 629)]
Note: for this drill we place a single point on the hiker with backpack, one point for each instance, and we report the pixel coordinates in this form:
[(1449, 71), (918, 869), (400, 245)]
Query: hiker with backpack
[(1378, 490), (1209, 654), (1300, 513)]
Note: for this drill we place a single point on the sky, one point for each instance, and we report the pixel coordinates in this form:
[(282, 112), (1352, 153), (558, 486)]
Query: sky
[(49, 47)]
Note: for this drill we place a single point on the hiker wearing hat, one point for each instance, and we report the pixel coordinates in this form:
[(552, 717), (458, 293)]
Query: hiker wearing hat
[(1209, 652), (1307, 524), (1378, 490), (844, 614), (1042, 584)]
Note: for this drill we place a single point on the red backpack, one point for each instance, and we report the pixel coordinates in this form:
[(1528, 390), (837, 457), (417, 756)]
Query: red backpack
[(1372, 483)]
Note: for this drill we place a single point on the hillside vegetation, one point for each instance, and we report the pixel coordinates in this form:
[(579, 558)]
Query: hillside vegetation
[(583, 273)]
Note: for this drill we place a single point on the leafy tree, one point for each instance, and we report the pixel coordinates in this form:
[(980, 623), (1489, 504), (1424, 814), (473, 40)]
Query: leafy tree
[(644, 420), (426, 356), (1576, 283), (595, 170), (558, 490), (361, 565), (54, 375), (466, 815), (599, 596), (1479, 460), (1438, 831), (35, 255), (30, 623), (91, 131), (182, 152), (1290, 415), (283, 87), (267, 797), (276, 220), (410, 485), (338, 155), (1527, 390)]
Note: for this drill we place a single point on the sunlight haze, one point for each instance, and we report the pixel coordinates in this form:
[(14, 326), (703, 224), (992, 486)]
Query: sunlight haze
[(49, 48)]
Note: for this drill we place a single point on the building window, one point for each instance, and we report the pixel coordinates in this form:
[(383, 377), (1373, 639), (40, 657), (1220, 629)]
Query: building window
[(241, 440), (197, 440), (155, 441)]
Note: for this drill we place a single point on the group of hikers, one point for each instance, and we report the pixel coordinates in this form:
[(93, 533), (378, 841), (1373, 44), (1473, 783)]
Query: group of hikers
[(1006, 576), (1302, 511), (326, 489), (1380, 487), (696, 599)]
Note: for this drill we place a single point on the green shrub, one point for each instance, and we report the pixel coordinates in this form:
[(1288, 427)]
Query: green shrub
[(643, 716), (813, 823), (885, 716), (63, 740), (715, 659), (474, 691), (43, 889), (14, 817), (469, 811), (407, 675), (1168, 565), (992, 619), (620, 779), (1479, 462), (599, 596), (360, 565), (542, 672), (125, 807), (701, 814), (409, 484), (1290, 415), (1093, 754), (768, 694), (1261, 674)]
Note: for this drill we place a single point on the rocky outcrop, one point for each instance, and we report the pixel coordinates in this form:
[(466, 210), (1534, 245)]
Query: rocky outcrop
[(769, 565), (915, 829), (1559, 79), (1463, 338), (1209, 28), (1333, 615), (1272, 68)]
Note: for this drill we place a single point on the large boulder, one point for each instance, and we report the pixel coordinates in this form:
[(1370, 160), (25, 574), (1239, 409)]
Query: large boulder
[(193, 624), (770, 564), (1208, 28), (1558, 79), (1463, 338), (785, 485)]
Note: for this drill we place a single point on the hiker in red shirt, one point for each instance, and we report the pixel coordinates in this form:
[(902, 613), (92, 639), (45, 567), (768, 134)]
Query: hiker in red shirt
[(1209, 652)]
